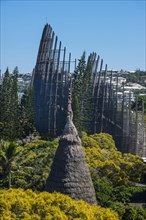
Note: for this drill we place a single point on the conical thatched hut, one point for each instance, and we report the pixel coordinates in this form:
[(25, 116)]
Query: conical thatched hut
[(70, 174)]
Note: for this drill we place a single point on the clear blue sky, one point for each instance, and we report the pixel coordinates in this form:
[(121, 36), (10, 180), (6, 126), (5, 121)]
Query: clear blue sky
[(116, 30)]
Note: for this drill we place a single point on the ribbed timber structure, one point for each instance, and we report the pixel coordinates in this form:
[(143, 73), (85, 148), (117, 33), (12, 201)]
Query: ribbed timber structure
[(111, 114), (50, 84)]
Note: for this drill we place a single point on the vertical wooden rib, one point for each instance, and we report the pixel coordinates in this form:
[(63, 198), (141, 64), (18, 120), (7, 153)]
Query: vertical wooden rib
[(95, 74), (136, 127), (69, 62), (56, 88), (51, 85), (143, 131), (109, 98), (97, 97), (103, 98), (116, 103)]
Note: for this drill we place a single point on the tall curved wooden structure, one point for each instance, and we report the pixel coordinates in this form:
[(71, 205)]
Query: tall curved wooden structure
[(50, 83)]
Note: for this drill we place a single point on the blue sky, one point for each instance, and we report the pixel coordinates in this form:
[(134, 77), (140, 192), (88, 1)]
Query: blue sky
[(116, 30)]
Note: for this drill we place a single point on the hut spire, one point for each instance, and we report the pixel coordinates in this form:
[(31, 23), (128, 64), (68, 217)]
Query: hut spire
[(69, 173), (69, 109), (69, 127)]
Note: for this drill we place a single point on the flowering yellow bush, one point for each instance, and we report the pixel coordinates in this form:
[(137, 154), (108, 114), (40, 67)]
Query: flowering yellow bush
[(28, 205), (104, 160)]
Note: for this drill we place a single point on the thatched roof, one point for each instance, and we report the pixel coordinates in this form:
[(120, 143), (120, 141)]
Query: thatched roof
[(70, 174)]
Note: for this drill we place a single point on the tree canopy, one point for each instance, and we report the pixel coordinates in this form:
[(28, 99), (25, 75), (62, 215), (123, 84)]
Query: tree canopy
[(20, 204), (114, 174), (82, 99), (16, 116)]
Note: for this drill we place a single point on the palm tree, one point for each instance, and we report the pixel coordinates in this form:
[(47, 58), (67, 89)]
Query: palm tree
[(7, 157)]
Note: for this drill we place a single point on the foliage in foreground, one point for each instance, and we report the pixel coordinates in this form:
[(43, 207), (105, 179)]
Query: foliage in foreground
[(30, 165), (20, 204), (113, 173), (106, 161)]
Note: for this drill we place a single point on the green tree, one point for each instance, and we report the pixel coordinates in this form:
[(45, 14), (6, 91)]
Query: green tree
[(5, 109), (141, 99), (77, 114), (77, 92), (27, 113), (113, 173), (14, 113), (30, 164), (87, 100), (80, 69), (82, 96), (9, 116), (137, 77), (7, 157), (16, 119)]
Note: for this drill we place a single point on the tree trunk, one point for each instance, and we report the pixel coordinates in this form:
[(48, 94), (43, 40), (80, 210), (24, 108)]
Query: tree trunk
[(9, 179)]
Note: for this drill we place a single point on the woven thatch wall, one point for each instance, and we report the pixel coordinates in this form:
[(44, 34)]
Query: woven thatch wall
[(70, 174)]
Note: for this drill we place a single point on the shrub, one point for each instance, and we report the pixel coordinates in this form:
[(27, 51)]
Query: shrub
[(20, 204)]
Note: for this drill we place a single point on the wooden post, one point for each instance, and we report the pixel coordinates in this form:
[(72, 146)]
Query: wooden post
[(56, 89), (97, 97), (75, 63), (116, 104), (95, 74), (51, 85), (103, 98), (109, 98), (143, 125), (69, 63), (64, 53), (122, 121), (136, 127), (49, 56)]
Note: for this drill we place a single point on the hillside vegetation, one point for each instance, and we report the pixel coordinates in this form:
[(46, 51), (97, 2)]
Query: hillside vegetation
[(136, 77), (114, 175)]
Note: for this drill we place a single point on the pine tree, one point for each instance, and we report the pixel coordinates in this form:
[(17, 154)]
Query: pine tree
[(77, 93), (14, 117), (27, 113), (9, 110), (82, 96), (77, 115), (5, 105), (80, 69), (88, 108)]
